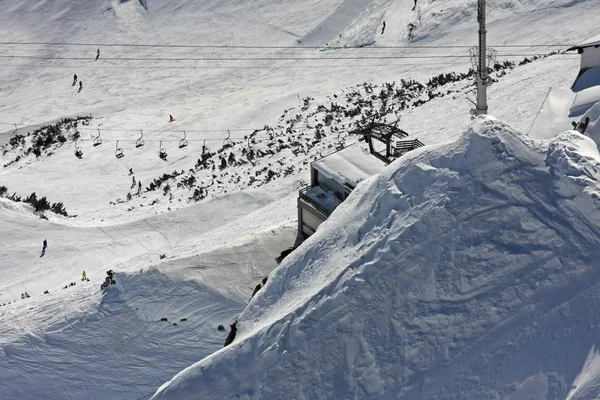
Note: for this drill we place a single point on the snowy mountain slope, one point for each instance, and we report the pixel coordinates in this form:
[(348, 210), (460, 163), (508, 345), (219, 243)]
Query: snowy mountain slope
[(206, 98), (283, 149), (73, 249), (218, 249), (461, 272), (223, 265), (113, 346), (97, 338)]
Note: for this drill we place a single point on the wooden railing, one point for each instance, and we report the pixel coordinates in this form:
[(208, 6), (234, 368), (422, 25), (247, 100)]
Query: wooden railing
[(404, 146)]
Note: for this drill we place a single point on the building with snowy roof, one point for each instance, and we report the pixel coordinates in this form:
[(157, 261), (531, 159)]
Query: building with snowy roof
[(587, 84), (589, 71), (332, 178), (568, 108)]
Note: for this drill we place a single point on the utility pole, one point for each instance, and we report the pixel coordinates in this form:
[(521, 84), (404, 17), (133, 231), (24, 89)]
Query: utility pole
[(482, 76)]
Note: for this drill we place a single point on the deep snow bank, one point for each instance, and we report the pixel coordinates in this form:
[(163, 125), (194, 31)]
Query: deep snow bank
[(109, 347), (463, 271)]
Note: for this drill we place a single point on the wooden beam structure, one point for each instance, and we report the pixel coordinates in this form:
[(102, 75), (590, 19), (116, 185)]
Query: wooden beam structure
[(388, 135)]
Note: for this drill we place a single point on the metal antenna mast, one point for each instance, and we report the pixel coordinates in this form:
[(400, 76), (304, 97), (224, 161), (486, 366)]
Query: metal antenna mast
[(482, 76)]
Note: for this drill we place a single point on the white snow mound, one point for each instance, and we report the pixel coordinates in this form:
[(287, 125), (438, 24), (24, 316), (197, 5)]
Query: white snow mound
[(468, 270)]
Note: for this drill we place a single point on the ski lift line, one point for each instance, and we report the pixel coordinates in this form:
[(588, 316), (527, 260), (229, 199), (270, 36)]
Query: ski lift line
[(124, 52), (162, 59), (167, 131), (265, 67), (161, 140), (215, 46)]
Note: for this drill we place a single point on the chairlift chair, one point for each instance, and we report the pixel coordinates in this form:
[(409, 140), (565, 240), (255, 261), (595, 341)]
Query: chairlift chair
[(78, 152), (118, 150), (140, 142), (183, 142), (97, 140), (162, 152)]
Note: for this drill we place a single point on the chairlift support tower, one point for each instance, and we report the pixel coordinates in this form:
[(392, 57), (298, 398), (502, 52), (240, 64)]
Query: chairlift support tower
[(482, 75)]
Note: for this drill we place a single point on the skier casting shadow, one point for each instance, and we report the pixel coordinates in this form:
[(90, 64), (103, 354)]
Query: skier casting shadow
[(80, 86), (74, 79)]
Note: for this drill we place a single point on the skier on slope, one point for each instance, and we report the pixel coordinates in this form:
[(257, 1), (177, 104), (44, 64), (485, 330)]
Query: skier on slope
[(74, 79), (171, 119), (80, 86), (83, 276), (44, 245), (98, 52)]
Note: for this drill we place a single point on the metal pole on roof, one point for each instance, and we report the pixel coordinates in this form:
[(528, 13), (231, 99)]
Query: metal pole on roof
[(482, 76)]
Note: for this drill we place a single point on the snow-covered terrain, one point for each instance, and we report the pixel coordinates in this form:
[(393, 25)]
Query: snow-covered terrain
[(259, 90), (463, 271)]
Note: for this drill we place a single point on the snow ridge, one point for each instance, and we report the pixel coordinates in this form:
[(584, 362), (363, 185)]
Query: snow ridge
[(438, 279)]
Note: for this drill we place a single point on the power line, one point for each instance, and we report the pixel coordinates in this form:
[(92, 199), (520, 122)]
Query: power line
[(83, 66), (397, 57), (197, 67), (214, 46)]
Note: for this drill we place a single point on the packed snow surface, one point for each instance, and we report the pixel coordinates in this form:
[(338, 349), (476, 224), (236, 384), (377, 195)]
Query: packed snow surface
[(466, 270), (238, 66)]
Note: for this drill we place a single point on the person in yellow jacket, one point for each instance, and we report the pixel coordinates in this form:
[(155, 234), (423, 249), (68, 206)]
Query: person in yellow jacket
[(83, 276)]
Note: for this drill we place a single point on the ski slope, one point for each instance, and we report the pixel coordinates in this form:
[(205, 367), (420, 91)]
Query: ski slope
[(176, 258)]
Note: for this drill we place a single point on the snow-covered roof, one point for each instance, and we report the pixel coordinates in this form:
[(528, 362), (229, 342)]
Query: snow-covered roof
[(349, 166), (594, 41)]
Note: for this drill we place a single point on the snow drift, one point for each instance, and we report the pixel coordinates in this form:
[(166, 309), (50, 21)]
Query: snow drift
[(468, 270)]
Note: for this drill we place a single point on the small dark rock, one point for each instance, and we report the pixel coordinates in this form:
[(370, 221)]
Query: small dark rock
[(220, 328), (232, 333), (163, 319), (284, 254), (183, 319)]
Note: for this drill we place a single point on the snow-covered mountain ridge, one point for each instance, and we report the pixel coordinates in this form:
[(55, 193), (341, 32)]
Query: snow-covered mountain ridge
[(442, 278)]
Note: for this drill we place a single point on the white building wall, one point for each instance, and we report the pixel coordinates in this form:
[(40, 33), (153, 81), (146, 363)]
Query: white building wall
[(590, 57), (309, 221)]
